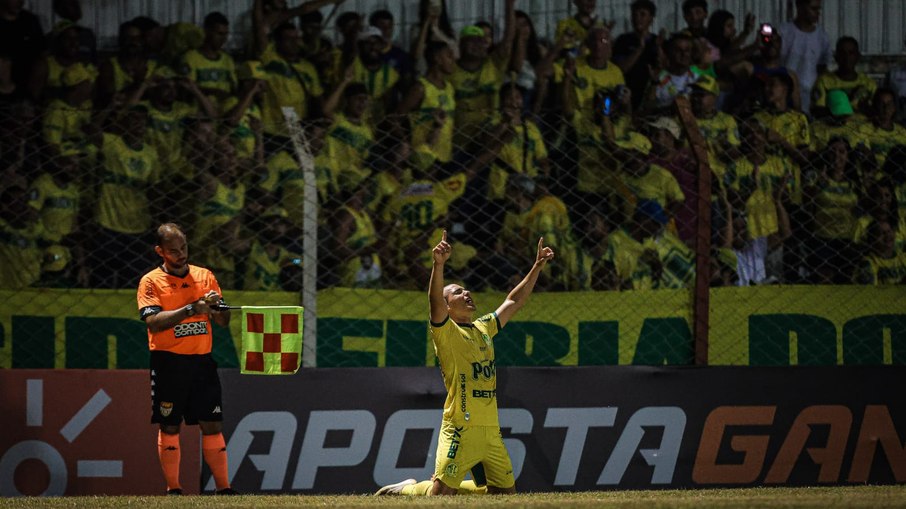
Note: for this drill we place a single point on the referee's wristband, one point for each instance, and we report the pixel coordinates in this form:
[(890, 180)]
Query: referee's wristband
[(190, 310)]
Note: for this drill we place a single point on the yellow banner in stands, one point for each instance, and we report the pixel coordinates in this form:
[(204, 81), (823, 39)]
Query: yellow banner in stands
[(748, 326)]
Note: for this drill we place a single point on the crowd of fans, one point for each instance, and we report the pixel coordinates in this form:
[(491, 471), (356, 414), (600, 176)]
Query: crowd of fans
[(496, 134)]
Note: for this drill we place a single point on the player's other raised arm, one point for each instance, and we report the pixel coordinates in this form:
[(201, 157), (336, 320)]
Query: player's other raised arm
[(519, 295), (441, 254)]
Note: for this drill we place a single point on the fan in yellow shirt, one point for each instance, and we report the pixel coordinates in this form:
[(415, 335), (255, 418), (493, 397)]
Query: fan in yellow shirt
[(130, 169), (578, 25), (789, 134), (431, 103), (270, 266), (128, 68), (478, 76), (858, 87), (636, 266), (22, 239), (883, 265), (751, 181), (524, 152), (349, 138), (882, 131), (291, 81), (57, 196), (66, 118), (211, 68), (718, 129), (378, 76)]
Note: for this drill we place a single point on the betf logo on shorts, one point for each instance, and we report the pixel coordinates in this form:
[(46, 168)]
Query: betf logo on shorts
[(166, 408), (191, 329), (454, 444)]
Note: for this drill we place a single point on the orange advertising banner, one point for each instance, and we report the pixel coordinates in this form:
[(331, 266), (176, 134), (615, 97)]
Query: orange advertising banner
[(84, 432)]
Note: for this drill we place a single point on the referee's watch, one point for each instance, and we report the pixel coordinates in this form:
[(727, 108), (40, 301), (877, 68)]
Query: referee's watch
[(190, 309)]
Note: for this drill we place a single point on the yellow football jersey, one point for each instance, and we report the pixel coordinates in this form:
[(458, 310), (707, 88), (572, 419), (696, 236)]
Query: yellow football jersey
[(378, 82), (364, 235), (216, 74), (721, 132), (349, 144), (165, 132), (126, 176), (122, 79), (586, 83), (290, 84), (58, 205), (759, 194), (477, 98), (263, 270), (21, 251), (225, 205), (875, 270), (657, 184), (823, 132), (677, 259), (624, 252), (835, 206), (882, 140), (520, 155), (422, 119), (794, 127), (860, 90), (62, 127), (466, 356), (421, 203)]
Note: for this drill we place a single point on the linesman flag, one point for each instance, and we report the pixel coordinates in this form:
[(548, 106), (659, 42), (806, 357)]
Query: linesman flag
[(271, 340)]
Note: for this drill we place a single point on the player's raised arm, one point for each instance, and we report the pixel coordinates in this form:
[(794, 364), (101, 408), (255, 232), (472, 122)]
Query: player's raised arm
[(519, 295), (436, 284)]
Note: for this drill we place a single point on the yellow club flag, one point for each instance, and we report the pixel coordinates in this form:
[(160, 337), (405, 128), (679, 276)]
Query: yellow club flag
[(271, 340)]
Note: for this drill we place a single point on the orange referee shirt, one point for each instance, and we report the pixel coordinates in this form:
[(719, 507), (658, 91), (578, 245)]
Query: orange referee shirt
[(159, 291)]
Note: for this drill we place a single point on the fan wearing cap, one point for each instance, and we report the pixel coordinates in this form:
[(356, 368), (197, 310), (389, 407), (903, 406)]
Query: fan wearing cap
[(392, 54), (645, 181), (667, 151), (840, 124), (718, 129), (23, 239), (211, 68), (291, 82), (66, 118), (431, 103), (478, 76), (57, 196), (859, 87), (378, 76)]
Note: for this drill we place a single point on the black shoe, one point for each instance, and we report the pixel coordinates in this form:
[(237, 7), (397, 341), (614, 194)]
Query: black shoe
[(227, 491), (174, 491)]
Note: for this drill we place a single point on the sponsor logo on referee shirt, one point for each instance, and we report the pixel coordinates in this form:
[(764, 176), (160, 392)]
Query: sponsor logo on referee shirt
[(190, 329)]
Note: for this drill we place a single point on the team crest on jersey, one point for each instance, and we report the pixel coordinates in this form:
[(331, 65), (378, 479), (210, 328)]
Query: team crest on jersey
[(451, 469), (486, 338), (166, 408)]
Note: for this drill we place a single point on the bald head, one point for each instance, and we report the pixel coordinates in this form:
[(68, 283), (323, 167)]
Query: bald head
[(169, 231)]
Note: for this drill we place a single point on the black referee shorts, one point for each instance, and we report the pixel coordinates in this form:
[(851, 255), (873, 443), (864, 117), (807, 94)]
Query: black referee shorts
[(184, 388)]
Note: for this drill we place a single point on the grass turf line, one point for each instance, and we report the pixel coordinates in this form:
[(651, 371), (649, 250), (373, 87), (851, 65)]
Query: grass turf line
[(817, 497)]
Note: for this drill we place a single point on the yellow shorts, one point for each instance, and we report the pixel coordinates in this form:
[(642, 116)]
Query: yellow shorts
[(478, 449)]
